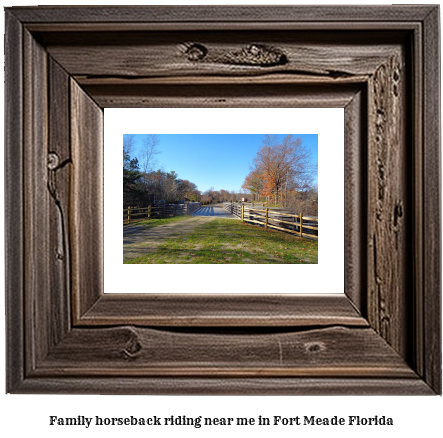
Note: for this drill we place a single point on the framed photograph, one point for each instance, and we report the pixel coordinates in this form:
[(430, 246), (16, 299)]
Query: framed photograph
[(377, 333), (248, 259)]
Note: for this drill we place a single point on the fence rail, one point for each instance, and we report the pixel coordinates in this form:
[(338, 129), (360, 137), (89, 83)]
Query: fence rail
[(278, 218), (131, 214)]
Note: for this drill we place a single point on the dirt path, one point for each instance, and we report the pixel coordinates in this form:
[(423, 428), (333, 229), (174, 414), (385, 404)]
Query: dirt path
[(138, 240)]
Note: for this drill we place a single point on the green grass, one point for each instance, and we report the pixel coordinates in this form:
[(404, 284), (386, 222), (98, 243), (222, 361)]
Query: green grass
[(150, 223), (229, 241)]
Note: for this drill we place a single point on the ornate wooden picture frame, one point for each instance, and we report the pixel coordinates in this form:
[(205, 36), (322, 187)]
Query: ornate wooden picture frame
[(65, 64)]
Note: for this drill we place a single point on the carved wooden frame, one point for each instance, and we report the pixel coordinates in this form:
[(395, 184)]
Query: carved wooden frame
[(63, 65)]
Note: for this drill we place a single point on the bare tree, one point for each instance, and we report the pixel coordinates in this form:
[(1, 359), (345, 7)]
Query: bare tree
[(282, 163), (128, 144), (149, 150)]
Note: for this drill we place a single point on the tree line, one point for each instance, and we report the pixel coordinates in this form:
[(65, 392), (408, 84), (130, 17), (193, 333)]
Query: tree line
[(143, 184), (282, 173)]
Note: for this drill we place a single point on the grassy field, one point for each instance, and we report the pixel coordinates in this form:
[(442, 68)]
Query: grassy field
[(230, 241), (150, 223)]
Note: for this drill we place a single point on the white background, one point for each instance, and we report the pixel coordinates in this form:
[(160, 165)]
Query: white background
[(23, 415), (328, 123)]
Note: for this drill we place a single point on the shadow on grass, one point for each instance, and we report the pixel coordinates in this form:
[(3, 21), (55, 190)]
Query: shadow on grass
[(223, 241)]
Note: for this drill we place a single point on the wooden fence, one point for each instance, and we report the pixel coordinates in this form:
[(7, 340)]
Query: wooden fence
[(278, 218), (131, 214)]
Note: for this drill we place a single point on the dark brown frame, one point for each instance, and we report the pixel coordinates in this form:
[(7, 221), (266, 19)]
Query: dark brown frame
[(64, 65)]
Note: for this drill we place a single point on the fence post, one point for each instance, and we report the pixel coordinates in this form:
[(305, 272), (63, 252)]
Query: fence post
[(149, 212), (266, 221), (243, 213), (163, 211), (301, 224), (129, 214)]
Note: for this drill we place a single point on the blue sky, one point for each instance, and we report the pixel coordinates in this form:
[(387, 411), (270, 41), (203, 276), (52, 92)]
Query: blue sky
[(213, 160)]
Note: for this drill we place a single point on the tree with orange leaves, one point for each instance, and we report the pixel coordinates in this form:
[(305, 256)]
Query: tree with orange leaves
[(279, 164), (254, 183)]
